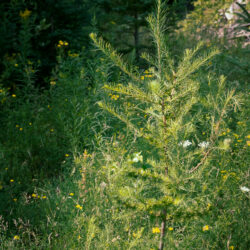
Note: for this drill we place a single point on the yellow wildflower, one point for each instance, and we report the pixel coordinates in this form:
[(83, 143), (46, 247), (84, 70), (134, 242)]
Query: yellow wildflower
[(236, 136), (79, 207), (11, 180), (248, 143), (21, 129), (239, 140), (13, 95), (156, 230), (25, 14), (16, 64), (142, 77), (17, 126), (71, 194), (33, 195), (205, 228), (66, 155), (248, 136), (79, 237), (60, 42), (52, 83), (66, 43), (15, 199), (170, 229), (44, 197), (30, 123), (16, 237), (52, 130), (231, 248), (203, 133)]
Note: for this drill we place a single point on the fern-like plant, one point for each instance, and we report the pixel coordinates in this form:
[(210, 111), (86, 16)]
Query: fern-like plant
[(170, 110)]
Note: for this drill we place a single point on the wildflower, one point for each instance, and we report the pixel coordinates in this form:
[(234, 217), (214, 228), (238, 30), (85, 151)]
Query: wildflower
[(248, 136), (203, 144), (224, 133), (205, 228), (51, 130), (33, 195), (248, 143), (134, 235), (16, 64), (244, 189), (210, 63), (60, 42), (114, 97), (223, 171), (231, 248), (79, 207), (224, 177), (239, 123), (66, 43), (208, 205), (66, 155), (44, 197), (17, 126), (156, 230), (142, 77), (235, 135), (137, 157), (239, 140), (52, 83), (13, 95), (30, 123), (170, 229), (11, 180), (16, 237), (15, 199), (185, 143), (71, 194), (203, 133), (25, 14), (79, 237), (21, 129)]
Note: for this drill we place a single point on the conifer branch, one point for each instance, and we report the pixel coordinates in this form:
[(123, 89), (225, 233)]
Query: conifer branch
[(119, 116), (114, 56), (132, 91), (186, 68)]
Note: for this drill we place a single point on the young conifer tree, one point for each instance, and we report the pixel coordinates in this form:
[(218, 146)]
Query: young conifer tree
[(168, 182)]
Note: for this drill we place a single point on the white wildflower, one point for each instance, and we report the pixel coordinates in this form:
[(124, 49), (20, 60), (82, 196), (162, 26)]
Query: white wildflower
[(137, 157), (185, 144), (203, 144), (244, 189)]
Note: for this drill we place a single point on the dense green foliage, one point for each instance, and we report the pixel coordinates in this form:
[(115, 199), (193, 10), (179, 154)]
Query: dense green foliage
[(119, 141)]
